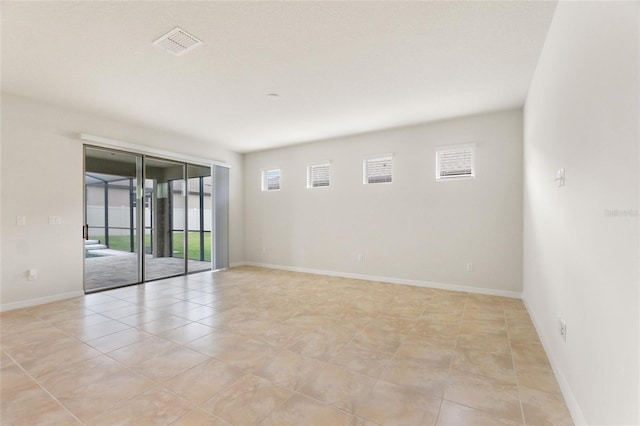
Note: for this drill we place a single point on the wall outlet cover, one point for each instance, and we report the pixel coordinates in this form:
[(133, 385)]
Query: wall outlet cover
[(32, 274), (562, 328)]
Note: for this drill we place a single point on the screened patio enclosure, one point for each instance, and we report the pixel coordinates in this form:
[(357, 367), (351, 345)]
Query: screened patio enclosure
[(146, 218)]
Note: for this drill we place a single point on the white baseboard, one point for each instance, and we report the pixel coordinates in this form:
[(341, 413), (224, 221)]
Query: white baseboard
[(572, 403), (390, 280), (39, 301)]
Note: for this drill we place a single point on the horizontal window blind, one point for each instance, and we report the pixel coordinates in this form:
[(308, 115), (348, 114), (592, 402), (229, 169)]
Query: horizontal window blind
[(319, 175), (378, 170), (271, 180), (455, 163)]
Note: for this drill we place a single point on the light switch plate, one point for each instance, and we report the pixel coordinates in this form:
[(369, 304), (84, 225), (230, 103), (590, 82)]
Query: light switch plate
[(21, 220), (55, 220)]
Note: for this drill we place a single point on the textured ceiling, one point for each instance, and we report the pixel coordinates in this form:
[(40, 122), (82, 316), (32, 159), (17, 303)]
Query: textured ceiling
[(338, 67)]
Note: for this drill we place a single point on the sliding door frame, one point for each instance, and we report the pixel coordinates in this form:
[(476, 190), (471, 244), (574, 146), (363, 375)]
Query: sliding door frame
[(218, 260)]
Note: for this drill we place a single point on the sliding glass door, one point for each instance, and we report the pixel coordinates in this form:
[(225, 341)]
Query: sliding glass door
[(148, 218), (164, 250), (111, 224), (199, 217)]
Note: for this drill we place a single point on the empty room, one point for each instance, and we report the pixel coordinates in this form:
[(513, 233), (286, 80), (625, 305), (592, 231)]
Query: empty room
[(320, 213)]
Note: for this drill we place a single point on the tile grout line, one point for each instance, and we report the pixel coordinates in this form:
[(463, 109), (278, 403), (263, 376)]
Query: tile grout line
[(244, 373), (304, 395), (515, 370), (154, 382), (43, 388), (237, 381), (376, 379), (398, 350), (393, 357), (295, 391), (127, 368), (161, 385), (455, 346), (490, 377)]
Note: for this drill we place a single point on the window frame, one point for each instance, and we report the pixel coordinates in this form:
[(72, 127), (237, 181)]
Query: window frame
[(453, 148), (365, 168), (310, 168), (264, 186)]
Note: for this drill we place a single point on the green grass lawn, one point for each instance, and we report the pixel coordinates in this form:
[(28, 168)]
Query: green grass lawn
[(122, 243), (193, 244)]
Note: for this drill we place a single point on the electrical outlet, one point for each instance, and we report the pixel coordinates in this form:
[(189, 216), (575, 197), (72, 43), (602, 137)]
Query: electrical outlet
[(559, 180), (55, 220), (562, 328), (21, 220), (469, 267), (32, 274), (360, 258)]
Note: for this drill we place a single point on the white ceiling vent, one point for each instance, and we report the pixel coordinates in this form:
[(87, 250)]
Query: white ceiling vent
[(177, 41)]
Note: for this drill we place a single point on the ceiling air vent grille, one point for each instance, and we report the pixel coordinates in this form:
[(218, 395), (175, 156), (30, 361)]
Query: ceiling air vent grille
[(177, 41)]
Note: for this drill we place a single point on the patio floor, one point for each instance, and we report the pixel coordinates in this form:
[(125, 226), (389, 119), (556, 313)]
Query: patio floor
[(114, 271)]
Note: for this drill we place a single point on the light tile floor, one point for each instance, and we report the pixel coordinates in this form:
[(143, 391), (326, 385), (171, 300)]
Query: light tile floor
[(258, 346)]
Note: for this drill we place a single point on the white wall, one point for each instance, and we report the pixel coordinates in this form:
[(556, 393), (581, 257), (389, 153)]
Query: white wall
[(582, 114), (413, 229), (42, 175)]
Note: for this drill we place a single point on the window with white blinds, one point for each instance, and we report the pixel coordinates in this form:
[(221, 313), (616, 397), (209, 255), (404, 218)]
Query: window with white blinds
[(271, 180), (378, 170), (319, 175), (455, 162)]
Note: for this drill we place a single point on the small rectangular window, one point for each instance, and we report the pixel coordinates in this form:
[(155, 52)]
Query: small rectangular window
[(455, 162), (378, 170), (319, 175), (271, 180)]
